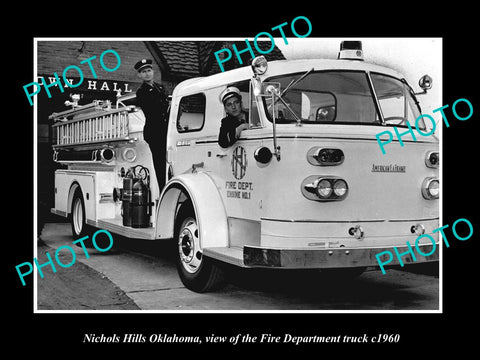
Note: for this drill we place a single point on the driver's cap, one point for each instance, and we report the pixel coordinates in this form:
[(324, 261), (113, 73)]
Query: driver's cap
[(229, 92)]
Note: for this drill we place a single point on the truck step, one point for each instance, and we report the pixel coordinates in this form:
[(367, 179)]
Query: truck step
[(232, 255), (116, 226)]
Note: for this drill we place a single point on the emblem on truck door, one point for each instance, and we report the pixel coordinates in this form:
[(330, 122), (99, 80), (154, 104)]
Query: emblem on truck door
[(239, 162)]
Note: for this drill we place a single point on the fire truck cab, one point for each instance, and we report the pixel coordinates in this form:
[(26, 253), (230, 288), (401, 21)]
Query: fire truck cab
[(304, 187)]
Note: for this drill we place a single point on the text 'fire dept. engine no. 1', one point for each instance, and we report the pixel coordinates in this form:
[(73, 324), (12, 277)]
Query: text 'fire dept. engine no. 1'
[(304, 187)]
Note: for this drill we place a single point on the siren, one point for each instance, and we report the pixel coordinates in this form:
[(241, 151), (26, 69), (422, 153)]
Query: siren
[(351, 50)]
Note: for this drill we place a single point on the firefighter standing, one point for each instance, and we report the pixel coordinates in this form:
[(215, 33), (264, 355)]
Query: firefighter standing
[(152, 99)]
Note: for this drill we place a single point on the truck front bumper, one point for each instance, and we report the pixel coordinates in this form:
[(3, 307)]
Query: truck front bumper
[(308, 258)]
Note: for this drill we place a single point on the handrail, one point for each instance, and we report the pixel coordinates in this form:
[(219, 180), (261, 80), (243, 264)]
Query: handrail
[(73, 111)]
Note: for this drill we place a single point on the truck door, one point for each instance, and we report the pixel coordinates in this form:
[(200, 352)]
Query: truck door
[(188, 127), (237, 167)]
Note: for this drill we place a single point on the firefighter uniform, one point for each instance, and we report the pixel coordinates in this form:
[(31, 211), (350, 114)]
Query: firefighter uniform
[(227, 135), (151, 98)]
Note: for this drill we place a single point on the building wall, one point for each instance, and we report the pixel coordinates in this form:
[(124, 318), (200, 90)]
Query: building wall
[(55, 56)]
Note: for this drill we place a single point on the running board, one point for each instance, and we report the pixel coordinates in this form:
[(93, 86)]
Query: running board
[(116, 226), (231, 255)]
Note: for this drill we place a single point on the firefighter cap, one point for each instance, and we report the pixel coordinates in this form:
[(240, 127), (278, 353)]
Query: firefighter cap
[(142, 64), (228, 93)]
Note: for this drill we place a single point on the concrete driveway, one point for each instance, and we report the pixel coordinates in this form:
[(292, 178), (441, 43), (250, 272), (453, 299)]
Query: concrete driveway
[(145, 271)]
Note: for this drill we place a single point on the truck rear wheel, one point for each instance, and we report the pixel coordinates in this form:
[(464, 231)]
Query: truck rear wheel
[(77, 215), (197, 273)]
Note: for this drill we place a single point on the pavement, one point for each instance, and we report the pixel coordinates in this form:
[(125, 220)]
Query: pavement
[(141, 275)]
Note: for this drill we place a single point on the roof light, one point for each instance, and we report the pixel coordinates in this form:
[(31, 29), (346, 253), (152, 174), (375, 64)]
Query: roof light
[(351, 50)]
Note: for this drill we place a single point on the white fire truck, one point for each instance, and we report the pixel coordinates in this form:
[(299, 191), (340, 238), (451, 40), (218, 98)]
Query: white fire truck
[(304, 187)]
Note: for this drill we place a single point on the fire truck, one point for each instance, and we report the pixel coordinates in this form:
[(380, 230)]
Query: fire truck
[(304, 187)]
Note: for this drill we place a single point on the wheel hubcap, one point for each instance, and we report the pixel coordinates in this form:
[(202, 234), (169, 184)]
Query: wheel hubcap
[(189, 246)]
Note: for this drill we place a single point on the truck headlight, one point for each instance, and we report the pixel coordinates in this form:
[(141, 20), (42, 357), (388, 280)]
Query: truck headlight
[(340, 188), (324, 188), (431, 188)]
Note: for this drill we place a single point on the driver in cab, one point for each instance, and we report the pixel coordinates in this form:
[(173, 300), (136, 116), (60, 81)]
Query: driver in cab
[(236, 120)]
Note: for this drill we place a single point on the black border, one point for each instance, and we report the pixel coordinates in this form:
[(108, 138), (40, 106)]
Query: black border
[(421, 334)]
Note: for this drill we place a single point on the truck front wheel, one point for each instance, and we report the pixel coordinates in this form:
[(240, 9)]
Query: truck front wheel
[(197, 273)]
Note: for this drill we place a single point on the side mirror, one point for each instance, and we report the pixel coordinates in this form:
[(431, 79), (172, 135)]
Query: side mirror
[(266, 88), (425, 83)]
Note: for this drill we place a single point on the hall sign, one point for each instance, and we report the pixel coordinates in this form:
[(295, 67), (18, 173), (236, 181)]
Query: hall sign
[(93, 84)]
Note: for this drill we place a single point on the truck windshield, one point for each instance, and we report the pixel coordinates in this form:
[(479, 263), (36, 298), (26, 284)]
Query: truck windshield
[(343, 97), (396, 101)]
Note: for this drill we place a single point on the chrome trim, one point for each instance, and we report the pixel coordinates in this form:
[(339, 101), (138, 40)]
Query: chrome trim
[(317, 258), (102, 154), (309, 185), (425, 192), (345, 221), (312, 137), (375, 97), (427, 159), (312, 156)]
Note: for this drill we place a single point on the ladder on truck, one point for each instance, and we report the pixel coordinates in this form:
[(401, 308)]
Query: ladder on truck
[(91, 124)]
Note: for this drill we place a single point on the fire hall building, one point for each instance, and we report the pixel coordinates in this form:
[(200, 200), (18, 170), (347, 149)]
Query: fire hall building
[(173, 62)]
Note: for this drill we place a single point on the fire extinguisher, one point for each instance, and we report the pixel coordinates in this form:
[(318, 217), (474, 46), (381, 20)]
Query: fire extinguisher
[(140, 205), (127, 199), (136, 205)]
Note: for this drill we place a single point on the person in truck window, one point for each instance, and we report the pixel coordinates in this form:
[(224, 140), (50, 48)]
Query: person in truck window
[(152, 100), (236, 120)]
